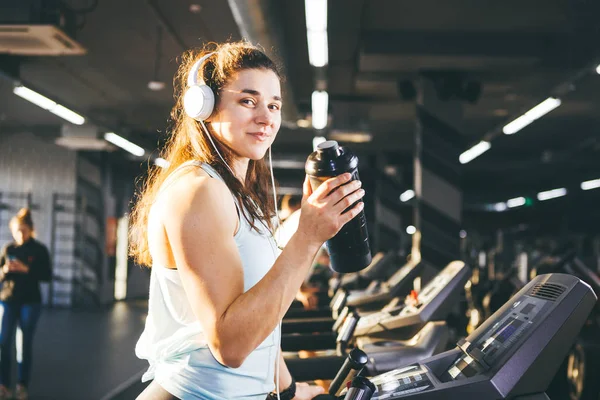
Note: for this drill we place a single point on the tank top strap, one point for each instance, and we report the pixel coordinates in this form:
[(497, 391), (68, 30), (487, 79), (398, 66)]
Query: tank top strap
[(212, 172), (209, 169)]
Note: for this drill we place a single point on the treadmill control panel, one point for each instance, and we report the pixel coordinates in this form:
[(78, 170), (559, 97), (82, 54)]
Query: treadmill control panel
[(549, 310), (401, 273), (429, 292), (485, 350), (433, 288), (400, 382)]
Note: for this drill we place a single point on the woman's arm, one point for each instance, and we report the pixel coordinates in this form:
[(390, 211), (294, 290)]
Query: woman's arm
[(200, 219)]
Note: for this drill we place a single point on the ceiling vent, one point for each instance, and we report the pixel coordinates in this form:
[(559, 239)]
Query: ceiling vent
[(84, 137), (547, 291), (38, 28), (37, 40)]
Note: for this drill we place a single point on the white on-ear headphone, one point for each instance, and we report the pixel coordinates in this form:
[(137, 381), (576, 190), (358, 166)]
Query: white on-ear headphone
[(199, 99)]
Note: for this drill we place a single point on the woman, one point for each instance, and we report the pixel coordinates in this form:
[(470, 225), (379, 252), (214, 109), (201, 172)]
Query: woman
[(25, 263), (218, 287)]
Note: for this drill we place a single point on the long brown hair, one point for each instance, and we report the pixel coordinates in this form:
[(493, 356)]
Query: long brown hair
[(187, 141)]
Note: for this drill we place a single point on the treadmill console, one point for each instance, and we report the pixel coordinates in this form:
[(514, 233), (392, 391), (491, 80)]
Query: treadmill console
[(491, 345), (412, 312), (384, 290), (401, 274), (515, 352), (403, 381)]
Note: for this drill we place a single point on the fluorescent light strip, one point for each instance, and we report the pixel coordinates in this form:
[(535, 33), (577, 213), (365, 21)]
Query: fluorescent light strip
[(48, 105), (406, 196), (535, 113), (124, 144), (316, 15), (161, 162), (551, 194), (320, 106), (500, 207), (318, 48), (316, 32), (588, 185), (516, 202), (474, 152)]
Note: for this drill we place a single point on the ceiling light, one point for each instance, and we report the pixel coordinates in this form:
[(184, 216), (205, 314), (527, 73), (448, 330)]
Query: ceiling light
[(155, 86), (535, 113), (598, 69), (161, 162), (406, 196), (593, 184), (316, 32), (318, 48), (67, 114), (411, 230), (320, 108), (49, 105), (551, 194), (516, 202), (474, 152), (124, 144), (500, 207), (317, 140), (195, 8), (316, 15)]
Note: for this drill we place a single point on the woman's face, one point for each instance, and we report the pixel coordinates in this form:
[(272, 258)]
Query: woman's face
[(249, 112), (20, 232)]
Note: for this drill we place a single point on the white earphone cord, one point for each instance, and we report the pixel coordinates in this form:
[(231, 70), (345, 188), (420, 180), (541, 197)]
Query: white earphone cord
[(215, 147), (278, 363)]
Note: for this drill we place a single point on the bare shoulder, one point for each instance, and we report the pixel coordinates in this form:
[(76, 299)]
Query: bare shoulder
[(193, 195)]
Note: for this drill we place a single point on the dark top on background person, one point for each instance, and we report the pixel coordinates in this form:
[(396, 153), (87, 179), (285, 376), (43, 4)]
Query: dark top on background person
[(25, 262)]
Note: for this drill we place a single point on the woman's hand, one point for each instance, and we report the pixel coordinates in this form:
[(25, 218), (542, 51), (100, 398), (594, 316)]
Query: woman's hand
[(306, 392), (322, 214), (15, 266)]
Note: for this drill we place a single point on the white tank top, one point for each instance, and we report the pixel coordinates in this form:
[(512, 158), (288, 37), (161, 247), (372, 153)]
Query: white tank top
[(173, 341)]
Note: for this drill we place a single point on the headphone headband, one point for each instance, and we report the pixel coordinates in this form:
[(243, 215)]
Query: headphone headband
[(193, 75)]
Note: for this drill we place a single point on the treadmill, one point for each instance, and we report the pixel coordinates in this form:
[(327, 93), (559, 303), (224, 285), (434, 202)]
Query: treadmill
[(380, 269), (410, 337), (372, 298), (513, 355)]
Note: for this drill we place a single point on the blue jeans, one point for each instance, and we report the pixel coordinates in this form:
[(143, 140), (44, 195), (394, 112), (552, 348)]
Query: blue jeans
[(26, 317)]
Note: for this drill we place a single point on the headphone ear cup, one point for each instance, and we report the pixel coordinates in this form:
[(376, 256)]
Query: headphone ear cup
[(199, 102)]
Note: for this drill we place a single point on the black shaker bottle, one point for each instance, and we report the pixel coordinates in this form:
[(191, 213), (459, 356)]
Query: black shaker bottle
[(349, 249)]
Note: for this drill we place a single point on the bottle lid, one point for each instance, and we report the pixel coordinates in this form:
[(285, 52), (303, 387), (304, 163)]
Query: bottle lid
[(329, 147)]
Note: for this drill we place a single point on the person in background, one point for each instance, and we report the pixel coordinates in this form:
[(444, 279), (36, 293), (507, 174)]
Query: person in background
[(289, 204), (25, 263)]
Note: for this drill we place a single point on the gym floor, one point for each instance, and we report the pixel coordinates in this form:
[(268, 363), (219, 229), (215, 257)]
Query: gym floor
[(88, 354)]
